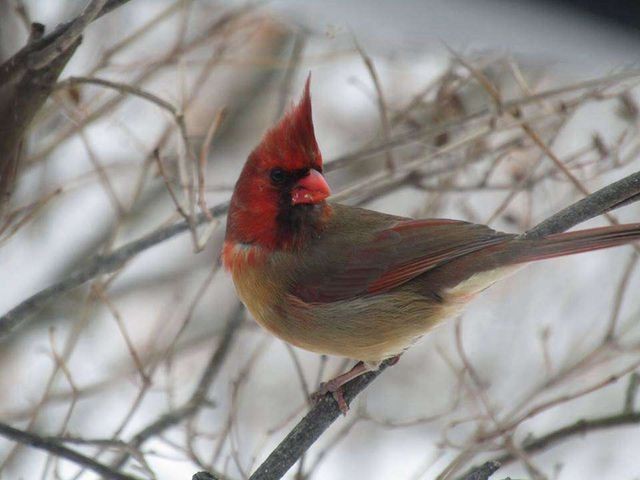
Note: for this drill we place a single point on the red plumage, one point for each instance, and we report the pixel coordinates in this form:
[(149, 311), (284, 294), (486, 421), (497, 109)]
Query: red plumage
[(290, 145)]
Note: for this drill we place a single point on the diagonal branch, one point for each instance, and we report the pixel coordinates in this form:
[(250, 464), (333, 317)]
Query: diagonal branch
[(309, 429), (483, 114), (44, 56), (97, 265), (56, 448), (615, 195), (581, 427)]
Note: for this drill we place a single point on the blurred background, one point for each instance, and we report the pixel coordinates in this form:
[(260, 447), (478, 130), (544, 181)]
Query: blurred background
[(419, 110)]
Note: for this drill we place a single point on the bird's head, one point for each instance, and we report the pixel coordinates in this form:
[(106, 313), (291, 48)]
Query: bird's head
[(281, 192)]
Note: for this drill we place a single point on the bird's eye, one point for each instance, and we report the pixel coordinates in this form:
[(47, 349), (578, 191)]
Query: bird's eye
[(278, 175)]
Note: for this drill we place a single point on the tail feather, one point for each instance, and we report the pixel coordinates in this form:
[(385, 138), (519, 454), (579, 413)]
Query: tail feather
[(513, 252), (568, 243)]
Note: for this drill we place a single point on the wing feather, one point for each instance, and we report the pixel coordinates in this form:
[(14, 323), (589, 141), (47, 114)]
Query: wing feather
[(392, 256)]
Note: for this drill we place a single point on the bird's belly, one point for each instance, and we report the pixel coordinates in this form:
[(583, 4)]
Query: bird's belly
[(366, 328), (370, 329)]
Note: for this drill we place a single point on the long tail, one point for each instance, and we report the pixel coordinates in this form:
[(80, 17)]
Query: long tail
[(568, 243), (514, 251)]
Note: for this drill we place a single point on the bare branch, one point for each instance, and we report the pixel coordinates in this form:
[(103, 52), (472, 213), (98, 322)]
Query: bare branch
[(98, 265), (632, 390), (56, 448), (309, 429), (483, 114), (604, 200), (204, 156), (483, 472), (299, 42), (66, 39), (581, 427), (199, 395), (27, 80), (382, 104)]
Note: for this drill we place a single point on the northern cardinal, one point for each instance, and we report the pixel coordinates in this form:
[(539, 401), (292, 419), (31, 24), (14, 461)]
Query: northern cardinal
[(360, 284)]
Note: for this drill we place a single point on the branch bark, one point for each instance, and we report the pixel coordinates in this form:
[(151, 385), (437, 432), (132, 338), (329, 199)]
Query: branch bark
[(613, 196), (483, 472), (27, 79), (581, 427), (97, 265), (56, 448), (309, 429)]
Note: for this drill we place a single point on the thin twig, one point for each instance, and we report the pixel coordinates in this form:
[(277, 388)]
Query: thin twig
[(632, 390), (204, 156), (167, 184), (621, 291), (299, 42), (382, 104), (102, 295), (483, 114), (132, 90), (199, 395)]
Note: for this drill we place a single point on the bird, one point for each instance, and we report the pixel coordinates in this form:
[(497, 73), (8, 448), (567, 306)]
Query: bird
[(346, 281)]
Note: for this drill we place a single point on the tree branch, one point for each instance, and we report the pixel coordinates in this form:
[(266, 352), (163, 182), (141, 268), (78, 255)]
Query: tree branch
[(483, 472), (191, 406), (581, 427), (483, 114), (98, 265), (615, 195), (49, 53), (309, 429), (27, 79), (204, 476), (54, 447)]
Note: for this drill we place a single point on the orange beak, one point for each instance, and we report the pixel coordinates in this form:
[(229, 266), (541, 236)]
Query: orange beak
[(310, 189)]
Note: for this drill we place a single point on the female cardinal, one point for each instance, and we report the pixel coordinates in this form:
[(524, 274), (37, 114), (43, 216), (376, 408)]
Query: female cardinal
[(345, 281)]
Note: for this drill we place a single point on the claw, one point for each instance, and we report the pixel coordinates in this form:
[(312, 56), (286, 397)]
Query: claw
[(336, 392), (338, 396), (334, 386)]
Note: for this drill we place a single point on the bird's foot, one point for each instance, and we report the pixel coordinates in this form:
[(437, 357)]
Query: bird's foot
[(334, 386), (335, 389)]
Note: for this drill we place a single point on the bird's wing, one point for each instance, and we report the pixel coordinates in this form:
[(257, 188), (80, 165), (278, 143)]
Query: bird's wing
[(390, 257)]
